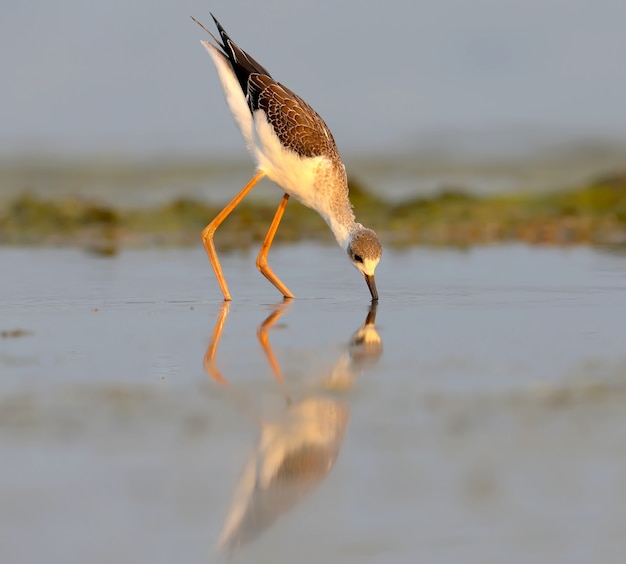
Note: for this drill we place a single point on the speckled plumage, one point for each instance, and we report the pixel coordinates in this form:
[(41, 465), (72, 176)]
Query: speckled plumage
[(365, 244), (298, 126), (290, 143)]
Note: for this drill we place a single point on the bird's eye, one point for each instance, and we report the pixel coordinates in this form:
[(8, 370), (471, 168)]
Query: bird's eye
[(358, 258)]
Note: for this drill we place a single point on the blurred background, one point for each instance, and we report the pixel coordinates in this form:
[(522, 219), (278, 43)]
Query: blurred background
[(485, 141), (492, 76), (118, 104)]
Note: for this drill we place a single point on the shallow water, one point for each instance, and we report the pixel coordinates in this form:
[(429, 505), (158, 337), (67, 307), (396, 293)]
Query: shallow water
[(479, 419)]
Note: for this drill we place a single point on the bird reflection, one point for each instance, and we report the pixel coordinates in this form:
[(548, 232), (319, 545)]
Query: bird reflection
[(296, 449)]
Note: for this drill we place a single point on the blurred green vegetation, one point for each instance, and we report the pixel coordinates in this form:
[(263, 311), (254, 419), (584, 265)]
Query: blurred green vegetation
[(593, 213)]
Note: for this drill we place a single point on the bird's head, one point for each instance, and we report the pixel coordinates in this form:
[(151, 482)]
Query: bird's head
[(365, 251)]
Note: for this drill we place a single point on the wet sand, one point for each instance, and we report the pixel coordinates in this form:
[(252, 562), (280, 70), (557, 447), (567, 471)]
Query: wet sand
[(485, 426)]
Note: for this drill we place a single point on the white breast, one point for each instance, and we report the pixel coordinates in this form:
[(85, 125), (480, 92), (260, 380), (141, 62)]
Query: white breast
[(296, 175)]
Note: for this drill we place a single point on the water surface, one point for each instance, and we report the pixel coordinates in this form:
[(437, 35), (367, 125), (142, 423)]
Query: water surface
[(482, 413)]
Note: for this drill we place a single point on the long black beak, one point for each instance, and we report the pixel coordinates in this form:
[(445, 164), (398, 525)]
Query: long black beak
[(371, 284)]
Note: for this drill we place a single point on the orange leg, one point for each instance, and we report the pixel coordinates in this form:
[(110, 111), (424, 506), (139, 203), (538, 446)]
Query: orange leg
[(211, 369), (261, 260), (263, 336), (209, 357), (209, 231)]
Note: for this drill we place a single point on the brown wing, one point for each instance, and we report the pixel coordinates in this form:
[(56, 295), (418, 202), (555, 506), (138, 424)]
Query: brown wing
[(297, 124)]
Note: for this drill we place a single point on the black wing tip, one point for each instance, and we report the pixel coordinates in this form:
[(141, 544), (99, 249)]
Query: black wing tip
[(221, 30), (225, 39), (242, 63), (220, 44)]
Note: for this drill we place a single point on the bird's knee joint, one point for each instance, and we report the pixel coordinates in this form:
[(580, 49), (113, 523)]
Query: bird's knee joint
[(208, 232), (261, 262)]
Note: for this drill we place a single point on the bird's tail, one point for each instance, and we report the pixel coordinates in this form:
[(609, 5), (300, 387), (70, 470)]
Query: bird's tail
[(242, 64)]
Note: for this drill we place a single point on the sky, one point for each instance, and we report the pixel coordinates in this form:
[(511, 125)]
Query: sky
[(132, 77)]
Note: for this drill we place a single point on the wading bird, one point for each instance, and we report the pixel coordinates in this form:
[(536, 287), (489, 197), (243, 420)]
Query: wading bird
[(293, 147)]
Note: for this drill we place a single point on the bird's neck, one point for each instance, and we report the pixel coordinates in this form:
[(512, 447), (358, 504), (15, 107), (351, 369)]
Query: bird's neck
[(342, 227), (336, 208)]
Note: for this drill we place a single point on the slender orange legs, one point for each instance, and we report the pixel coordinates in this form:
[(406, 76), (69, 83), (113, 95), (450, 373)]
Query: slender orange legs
[(209, 357), (261, 260), (211, 369), (209, 364), (262, 334), (209, 231)]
